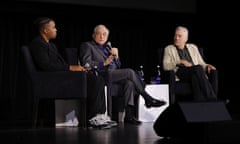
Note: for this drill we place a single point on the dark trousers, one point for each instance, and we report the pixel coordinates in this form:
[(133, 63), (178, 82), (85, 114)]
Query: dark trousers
[(196, 76), (96, 96), (132, 86), (131, 82)]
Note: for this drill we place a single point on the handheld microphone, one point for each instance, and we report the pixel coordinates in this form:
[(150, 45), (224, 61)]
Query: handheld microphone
[(109, 47), (116, 59)]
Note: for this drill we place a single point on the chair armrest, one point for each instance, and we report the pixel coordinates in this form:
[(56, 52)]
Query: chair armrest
[(61, 75), (62, 83)]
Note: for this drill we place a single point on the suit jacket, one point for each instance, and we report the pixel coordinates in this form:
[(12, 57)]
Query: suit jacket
[(91, 53), (171, 57), (46, 56)]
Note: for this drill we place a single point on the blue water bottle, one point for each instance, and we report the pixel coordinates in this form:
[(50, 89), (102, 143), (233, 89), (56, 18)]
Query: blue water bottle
[(141, 73), (158, 76)]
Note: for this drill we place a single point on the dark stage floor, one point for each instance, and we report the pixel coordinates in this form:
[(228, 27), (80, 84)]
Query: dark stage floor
[(216, 133)]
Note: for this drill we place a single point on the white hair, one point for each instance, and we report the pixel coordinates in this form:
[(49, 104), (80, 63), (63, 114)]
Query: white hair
[(100, 26), (182, 28)]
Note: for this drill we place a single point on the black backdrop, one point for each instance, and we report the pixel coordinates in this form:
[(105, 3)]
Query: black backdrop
[(137, 33)]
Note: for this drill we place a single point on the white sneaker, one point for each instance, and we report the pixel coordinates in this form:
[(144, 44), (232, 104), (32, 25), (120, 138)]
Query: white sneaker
[(101, 121), (75, 122), (69, 123), (97, 121), (108, 120)]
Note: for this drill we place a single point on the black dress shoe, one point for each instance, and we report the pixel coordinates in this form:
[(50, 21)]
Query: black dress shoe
[(154, 103), (132, 120)]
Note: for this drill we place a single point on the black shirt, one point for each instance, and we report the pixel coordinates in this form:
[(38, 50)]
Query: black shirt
[(184, 54)]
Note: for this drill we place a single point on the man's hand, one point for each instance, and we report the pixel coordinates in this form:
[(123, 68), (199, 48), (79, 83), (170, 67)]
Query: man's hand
[(114, 52), (210, 67), (108, 60), (77, 68), (185, 63)]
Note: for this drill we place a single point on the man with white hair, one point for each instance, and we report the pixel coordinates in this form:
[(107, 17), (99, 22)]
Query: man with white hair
[(184, 58), (99, 53)]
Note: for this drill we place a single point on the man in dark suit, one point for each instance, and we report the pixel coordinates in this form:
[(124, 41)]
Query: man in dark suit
[(47, 58), (98, 53)]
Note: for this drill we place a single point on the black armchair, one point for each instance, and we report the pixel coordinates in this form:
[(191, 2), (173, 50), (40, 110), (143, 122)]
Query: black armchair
[(55, 85), (178, 90)]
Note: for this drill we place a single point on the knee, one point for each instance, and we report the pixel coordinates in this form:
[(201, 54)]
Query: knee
[(130, 71), (129, 84)]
